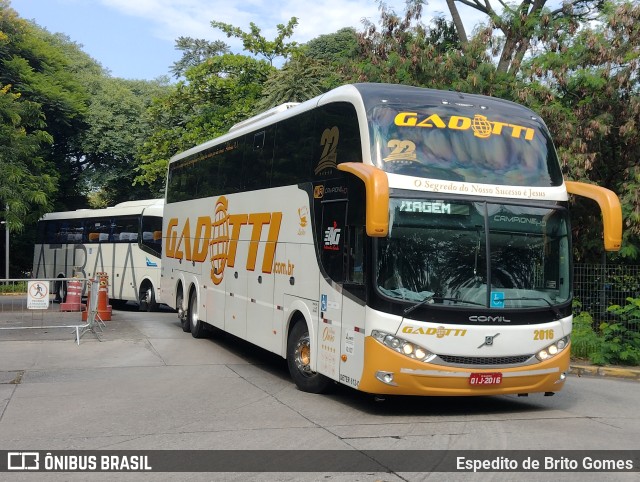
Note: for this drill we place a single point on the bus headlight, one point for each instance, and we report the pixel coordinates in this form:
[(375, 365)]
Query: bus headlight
[(403, 346), (553, 349)]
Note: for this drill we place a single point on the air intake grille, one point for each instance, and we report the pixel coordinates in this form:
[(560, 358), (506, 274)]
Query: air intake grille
[(481, 361)]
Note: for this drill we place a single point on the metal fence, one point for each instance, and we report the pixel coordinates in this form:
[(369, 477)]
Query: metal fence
[(598, 286), (27, 305)]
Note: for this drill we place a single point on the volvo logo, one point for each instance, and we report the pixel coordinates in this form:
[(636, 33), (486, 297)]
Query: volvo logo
[(488, 340), (489, 319)]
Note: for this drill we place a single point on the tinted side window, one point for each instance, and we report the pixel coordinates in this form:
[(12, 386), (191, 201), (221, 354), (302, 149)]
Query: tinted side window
[(337, 138), (152, 233), (258, 158), (98, 230), (231, 166), (69, 231), (180, 182), (293, 157), (125, 229)]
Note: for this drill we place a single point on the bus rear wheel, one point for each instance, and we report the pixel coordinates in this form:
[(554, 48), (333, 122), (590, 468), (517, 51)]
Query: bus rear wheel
[(183, 315), (299, 361), (196, 325)]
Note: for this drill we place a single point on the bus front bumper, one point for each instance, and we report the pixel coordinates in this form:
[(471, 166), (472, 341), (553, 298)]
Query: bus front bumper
[(390, 373)]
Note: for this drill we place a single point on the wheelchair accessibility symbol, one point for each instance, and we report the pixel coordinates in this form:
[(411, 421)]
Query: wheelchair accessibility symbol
[(497, 299)]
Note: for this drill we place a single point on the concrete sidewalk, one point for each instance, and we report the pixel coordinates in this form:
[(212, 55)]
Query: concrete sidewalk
[(581, 369)]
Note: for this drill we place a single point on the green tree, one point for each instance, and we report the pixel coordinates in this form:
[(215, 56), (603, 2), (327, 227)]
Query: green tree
[(300, 79), (115, 134), (587, 86), (404, 50), (215, 94), (340, 47), (522, 25), (196, 51), (26, 186), (28, 182), (254, 42), (32, 62)]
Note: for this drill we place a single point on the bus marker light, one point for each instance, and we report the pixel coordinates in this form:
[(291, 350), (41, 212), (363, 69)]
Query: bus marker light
[(343, 358)]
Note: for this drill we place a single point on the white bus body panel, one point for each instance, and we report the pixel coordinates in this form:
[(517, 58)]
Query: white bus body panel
[(127, 265)]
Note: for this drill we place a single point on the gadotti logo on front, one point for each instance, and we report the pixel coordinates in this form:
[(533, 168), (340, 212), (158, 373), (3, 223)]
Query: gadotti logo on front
[(480, 125), (218, 238)]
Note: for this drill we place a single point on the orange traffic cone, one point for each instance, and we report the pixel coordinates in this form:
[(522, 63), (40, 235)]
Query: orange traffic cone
[(104, 308), (74, 297)]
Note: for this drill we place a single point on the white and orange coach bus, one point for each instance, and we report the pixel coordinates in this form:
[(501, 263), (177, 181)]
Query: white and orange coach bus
[(394, 239)]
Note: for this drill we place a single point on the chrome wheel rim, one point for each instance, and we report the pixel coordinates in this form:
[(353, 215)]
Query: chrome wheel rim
[(302, 356)]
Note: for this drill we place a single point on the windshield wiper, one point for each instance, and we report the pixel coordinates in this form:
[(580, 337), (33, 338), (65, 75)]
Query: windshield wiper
[(536, 298), (431, 299)]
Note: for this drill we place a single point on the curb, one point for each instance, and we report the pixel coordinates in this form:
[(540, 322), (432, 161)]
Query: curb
[(597, 371)]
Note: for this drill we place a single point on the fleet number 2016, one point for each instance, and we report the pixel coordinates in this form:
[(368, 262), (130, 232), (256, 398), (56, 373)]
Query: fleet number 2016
[(543, 334)]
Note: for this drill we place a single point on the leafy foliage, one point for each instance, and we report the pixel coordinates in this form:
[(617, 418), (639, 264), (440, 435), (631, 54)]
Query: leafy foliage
[(584, 339), (26, 184), (196, 51), (587, 83), (609, 343), (72, 134), (215, 95), (255, 43), (340, 47), (28, 181)]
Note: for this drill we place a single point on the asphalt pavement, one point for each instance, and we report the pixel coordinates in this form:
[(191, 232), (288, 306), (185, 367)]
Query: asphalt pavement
[(144, 384)]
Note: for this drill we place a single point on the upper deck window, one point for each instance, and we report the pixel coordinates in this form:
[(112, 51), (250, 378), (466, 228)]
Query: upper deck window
[(466, 143)]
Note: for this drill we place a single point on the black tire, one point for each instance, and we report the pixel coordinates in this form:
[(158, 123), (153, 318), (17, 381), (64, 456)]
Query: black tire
[(118, 304), (299, 358), (183, 315), (197, 325), (60, 291), (148, 298)]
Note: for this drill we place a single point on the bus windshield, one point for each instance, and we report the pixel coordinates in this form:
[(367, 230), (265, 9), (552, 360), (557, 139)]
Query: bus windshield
[(466, 143), (460, 253)]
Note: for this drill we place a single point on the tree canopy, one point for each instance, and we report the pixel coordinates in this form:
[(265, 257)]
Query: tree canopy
[(74, 136)]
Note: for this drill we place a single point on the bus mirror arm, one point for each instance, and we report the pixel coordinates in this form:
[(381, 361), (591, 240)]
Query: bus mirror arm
[(610, 208), (377, 196)]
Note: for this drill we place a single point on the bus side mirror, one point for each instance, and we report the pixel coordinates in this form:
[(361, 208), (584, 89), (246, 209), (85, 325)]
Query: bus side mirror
[(376, 186), (610, 208)]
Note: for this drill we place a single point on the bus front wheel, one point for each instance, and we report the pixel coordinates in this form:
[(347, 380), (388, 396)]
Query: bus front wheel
[(196, 325), (148, 298), (299, 361), (60, 290)]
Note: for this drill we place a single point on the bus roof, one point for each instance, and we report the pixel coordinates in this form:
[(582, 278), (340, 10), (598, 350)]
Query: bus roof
[(362, 96), (128, 208)]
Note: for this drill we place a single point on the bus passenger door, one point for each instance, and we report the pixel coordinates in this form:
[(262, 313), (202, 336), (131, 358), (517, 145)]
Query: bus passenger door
[(353, 308), (331, 239)]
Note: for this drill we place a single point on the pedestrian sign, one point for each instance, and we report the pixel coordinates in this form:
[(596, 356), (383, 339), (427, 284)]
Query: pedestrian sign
[(38, 295)]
